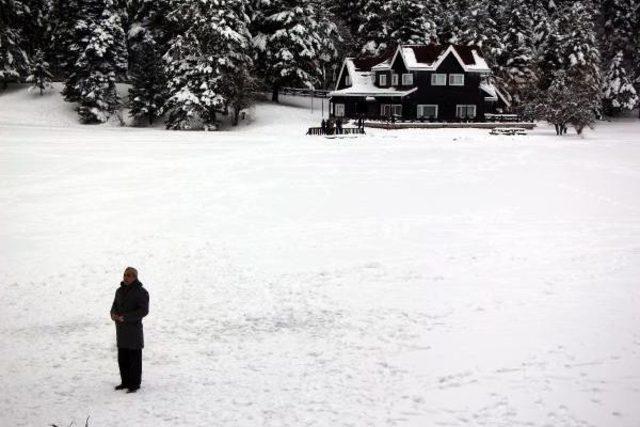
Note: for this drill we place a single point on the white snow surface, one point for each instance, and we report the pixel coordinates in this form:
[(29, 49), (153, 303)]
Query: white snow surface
[(414, 277)]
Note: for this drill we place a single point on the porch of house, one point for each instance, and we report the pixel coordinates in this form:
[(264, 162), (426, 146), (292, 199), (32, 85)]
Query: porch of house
[(413, 124), (405, 109)]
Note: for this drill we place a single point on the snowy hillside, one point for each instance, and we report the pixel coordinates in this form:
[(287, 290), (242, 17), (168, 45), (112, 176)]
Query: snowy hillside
[(441, 277), (18, 106)]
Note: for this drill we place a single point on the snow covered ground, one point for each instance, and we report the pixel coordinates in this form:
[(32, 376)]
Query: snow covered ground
[(441, 277)]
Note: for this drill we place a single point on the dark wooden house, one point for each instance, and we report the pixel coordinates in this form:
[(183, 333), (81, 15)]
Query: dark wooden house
[(418, 82)]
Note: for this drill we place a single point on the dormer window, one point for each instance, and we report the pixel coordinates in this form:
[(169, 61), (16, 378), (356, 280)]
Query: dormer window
[(407, 79), (456, 79), (382, 80), (394, 80), (347, 80)]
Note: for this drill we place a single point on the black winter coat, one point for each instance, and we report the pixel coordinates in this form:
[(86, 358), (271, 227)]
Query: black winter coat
[(132, 302)]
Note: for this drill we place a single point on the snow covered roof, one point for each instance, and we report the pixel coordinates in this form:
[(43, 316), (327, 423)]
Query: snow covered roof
[(493, 94), (490, 90), (416, 58), (429, 58), (362, 82)]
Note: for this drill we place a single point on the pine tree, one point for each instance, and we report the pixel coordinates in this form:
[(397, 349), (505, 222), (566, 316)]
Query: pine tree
[(330, 45), (557, 103), (183, 107), (73, 39), (549, 58), (349, 12), (636, 62), (514, 67), (569, 89), (200, 65), (102, 58), (149, 33), (581, 63), (148, 93), (618, 92), (288, 38), (63, 52), (37, 26), (453, 20), (14, 61), (375, 30), (239, 92), (410, 22), (567, 101), (620, 18), (579, 48), (480, 28), (40, 77)]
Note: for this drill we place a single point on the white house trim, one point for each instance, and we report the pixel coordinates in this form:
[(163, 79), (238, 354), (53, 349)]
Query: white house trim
[(344, 64), (379, 92), (479, 67)]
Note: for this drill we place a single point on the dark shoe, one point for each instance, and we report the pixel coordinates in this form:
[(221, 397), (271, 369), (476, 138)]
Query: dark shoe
[(120, 387), (132, 389)]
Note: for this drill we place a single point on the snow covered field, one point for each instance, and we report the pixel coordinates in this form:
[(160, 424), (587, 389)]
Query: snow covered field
[(441, 277)]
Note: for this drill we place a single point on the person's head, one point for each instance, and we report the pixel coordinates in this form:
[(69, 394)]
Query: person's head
[(130, 275)]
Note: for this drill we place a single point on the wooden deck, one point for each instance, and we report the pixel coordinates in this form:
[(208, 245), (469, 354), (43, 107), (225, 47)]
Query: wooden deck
[(430, 125), (345, 131)]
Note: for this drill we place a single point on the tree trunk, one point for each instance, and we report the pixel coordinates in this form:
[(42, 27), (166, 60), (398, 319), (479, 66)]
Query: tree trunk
[(274, 94), (150, 119), (236, 115)]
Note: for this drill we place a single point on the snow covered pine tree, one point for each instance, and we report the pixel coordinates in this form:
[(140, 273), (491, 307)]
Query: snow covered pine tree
[(148, 37), (102, 57), (515, 65), (289, 38), (14, 62), (40, 77), (618, 92), (203, 65)]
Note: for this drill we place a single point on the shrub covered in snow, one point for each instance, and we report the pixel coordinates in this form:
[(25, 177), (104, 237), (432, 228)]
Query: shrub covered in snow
[(40, 76), (618, 91)]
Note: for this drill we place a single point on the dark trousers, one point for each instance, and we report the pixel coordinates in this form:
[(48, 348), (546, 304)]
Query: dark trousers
[(130, 363)]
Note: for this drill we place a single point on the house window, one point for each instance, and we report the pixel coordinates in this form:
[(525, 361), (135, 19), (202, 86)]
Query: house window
[(466, 111), (347, 81), (394, 80), (382, 79), (407, 79), (387, 110), (427, 111), (438, 79), (339, 109), (456, 79)]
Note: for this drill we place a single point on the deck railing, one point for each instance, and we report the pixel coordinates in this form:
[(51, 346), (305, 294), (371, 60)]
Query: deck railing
[(343, 131), (295, 91)]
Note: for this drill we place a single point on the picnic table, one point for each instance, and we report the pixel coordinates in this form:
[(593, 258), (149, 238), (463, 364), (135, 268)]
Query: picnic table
[(343, 131), (492, 117), (508, 131)]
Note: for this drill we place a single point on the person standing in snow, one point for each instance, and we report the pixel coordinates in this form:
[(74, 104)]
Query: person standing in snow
[(130, 305)]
